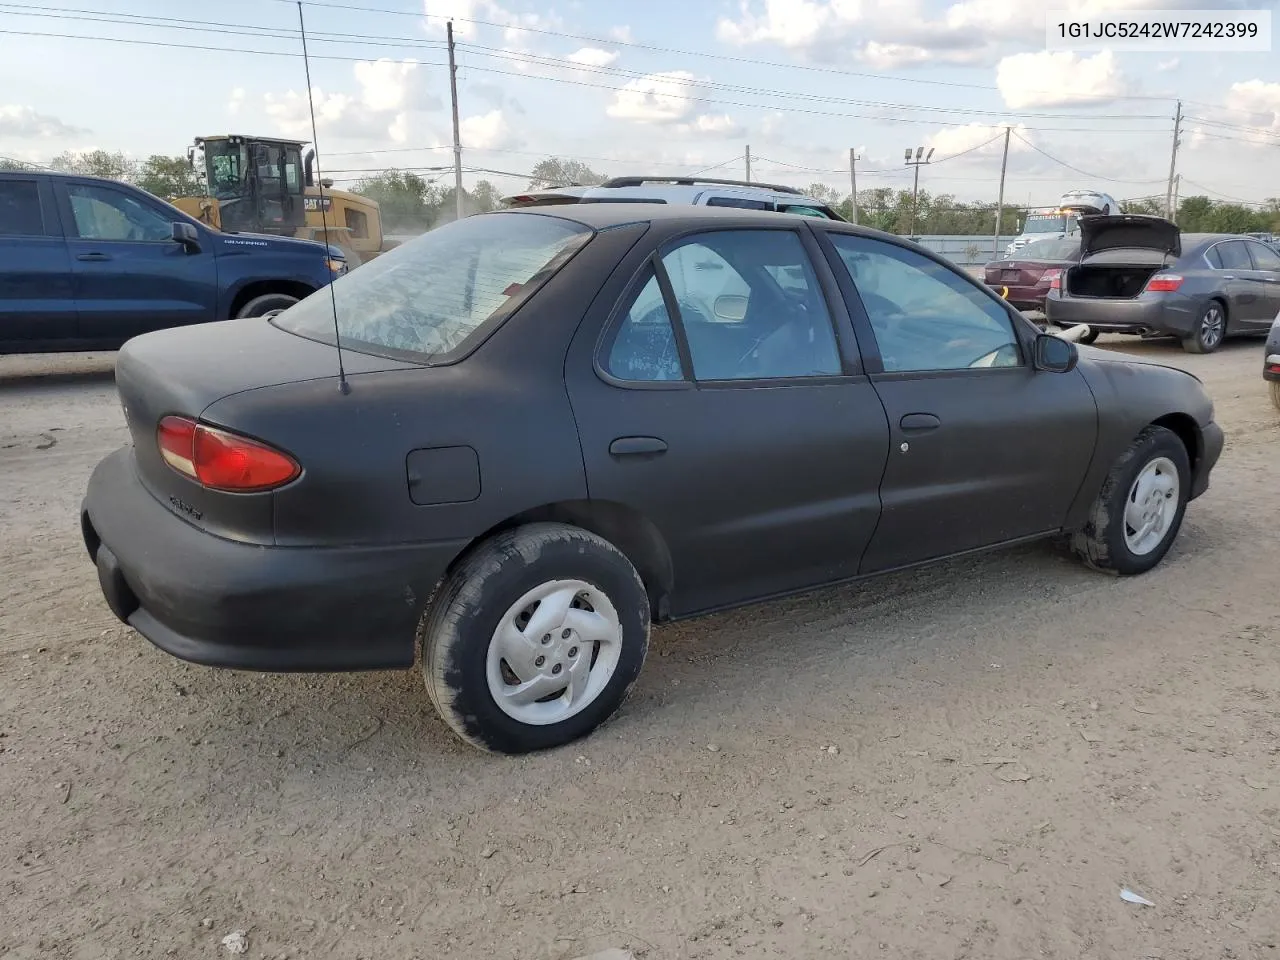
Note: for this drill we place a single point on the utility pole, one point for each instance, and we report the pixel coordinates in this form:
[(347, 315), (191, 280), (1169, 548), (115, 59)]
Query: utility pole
[(915, 187), (1004, 164), (1173, 162), (457, 137), (853, 181), (1177, 185), (748, 158)]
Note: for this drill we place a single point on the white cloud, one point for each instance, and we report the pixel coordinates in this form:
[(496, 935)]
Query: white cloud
[(486, 131), (592, 57), (23, 122), (977, 141), (236, 101), (1257, 100), (622, 34), (713, 125), (1165, 66), (393, 86), (1059, 78), (906, 33), (656, 98)]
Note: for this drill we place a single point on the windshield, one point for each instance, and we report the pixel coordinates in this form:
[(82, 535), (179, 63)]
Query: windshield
[(426, 298), (224, 165), (1045, 225), (1052, 249)]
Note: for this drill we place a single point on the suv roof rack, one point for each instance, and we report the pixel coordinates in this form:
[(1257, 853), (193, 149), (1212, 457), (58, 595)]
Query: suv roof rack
[(693, 181)]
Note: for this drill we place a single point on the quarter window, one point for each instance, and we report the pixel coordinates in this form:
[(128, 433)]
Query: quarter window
[(644, 348), (751, 307), (925, 316), (20, 209), (105, 214)]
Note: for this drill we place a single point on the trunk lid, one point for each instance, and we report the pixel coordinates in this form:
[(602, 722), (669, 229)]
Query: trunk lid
[(1017, 273), (183, 371), (1129, 231)]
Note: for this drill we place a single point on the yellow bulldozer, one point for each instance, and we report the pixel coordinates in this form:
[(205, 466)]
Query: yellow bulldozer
[(267, 185)]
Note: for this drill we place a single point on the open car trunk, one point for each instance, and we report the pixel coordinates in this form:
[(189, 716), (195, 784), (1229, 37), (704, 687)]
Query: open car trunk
[(1112, 281), (1120, 253)]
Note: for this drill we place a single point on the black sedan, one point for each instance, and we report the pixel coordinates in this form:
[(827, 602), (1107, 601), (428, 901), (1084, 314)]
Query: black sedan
[(1141, 275), (545, 428)]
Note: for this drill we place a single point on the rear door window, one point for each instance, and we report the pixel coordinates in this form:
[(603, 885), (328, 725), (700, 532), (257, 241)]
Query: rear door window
[(741, 203), (1234, 255), (1264, 258), (20, 211)]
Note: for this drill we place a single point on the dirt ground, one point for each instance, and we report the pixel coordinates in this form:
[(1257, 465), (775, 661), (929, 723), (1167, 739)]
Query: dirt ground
[(969, 760)]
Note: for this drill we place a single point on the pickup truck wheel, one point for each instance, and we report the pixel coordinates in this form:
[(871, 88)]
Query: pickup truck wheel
[(535, 639), (267, 305), (1210, 330), (1139, 509)]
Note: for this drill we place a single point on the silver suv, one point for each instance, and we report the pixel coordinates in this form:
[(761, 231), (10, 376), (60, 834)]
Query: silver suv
[(698, 191)]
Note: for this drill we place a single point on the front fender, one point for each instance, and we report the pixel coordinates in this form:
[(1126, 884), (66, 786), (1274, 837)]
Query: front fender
[(1131, 395)]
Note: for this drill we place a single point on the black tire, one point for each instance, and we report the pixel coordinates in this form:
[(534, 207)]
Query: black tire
[(1210, 331), (265, 304), (460, 624), (1275, 392), (1089, 337), (1100, 543)]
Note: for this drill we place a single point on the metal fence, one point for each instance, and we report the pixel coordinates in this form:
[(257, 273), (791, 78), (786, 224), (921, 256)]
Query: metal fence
[(966, 251)]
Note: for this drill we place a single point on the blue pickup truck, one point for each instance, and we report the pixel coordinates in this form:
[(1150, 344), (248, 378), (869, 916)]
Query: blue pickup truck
[(86, 263)]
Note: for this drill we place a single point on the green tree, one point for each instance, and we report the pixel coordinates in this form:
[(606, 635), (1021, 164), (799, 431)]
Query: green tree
[(558, 172), (1145, 205), (168, 177), (485, 196), (407, 201), (96, 163)]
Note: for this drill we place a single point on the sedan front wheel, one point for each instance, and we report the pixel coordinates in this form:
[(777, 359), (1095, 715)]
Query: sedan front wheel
[(535, 639), (1139, 509)]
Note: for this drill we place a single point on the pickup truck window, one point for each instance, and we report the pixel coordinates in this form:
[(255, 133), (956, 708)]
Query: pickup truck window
[(20, 209), (102, 213)]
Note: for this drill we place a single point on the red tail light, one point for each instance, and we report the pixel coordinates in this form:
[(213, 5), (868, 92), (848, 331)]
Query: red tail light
[(1164, 283), (1053, 278), (222, 460)]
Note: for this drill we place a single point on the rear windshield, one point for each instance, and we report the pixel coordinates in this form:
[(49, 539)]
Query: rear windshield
[(1049, 250), (425, 299)]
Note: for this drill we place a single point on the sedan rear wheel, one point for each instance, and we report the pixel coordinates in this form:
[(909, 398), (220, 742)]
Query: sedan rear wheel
[(535, 639), (1139, 509), (1209, 332), (1275, 393)]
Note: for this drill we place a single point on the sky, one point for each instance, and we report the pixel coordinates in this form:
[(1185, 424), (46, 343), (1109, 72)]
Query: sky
[(659, 87)]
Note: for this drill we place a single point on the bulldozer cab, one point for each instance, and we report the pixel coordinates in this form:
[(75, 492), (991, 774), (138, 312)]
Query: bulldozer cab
[(259, 183)]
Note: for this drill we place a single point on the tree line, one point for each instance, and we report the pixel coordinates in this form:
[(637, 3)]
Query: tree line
[(412, 203)]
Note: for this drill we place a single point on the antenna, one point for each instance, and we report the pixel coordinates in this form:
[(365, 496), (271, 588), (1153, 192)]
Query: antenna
[(324, 212)]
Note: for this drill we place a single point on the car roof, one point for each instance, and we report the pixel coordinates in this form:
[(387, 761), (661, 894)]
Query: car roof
[(600, 216)]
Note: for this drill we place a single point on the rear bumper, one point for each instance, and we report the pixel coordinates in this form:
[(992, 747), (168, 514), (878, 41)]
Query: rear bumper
[(1164, 315), (217, 602), (1022, 297)]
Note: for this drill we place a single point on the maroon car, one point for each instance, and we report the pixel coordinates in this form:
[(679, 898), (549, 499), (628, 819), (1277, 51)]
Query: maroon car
[(1027, 276)]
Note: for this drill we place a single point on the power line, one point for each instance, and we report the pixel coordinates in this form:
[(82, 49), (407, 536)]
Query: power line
[(753, 61), (511, 73), (1224, 196), (1083, 173)]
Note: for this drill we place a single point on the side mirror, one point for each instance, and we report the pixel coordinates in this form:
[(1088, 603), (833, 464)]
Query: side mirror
[(1054, 354), (187, 235)]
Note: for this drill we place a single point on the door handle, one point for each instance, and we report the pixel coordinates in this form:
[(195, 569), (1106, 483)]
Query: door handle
[(1228, 276), (93, 257), (919, 422), (634, 446)]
